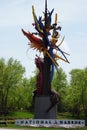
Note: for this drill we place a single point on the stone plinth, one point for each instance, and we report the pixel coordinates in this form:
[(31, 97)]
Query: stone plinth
[(42, 103)]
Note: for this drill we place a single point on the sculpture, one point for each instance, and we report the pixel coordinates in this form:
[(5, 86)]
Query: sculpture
[(45, 40)]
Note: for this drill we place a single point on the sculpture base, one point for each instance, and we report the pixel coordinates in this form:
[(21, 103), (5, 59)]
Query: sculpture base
[(42, 103)]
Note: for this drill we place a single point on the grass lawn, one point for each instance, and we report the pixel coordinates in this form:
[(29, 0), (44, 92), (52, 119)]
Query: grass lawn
[(19, 115)]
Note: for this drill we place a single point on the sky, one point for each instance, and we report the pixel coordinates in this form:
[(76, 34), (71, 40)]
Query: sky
[(72, 16)]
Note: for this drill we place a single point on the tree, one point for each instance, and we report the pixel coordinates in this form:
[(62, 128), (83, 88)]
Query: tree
[(78, 91), (60, 85), (73, 93), (29, 86), (21, 97), (11, 74)]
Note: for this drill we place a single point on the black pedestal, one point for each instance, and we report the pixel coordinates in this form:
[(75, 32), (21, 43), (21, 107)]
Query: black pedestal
[(42, 103)]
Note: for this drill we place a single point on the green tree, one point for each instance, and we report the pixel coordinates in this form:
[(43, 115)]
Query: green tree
[(28, 85), (77, 93), (60, 85), (11, 74), (24, 94)]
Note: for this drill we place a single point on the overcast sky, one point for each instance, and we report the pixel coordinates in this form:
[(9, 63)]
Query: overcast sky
[(17, 14)]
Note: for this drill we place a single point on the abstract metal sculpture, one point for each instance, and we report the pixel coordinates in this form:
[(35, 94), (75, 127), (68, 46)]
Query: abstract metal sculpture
[(45, 40)]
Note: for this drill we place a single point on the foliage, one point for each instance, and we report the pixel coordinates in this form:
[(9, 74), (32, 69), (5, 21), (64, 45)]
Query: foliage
[(16, 91), (77, 92), (60, 85), (59, 80), (11, 74)]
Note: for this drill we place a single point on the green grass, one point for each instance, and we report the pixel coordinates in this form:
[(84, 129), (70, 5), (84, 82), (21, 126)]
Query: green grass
[(20, 115)]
